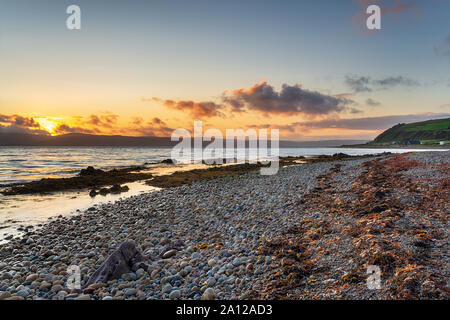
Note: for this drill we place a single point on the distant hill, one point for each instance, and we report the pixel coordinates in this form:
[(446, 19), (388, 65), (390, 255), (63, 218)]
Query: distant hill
[(427, 132), (81, 140), (89, 140)]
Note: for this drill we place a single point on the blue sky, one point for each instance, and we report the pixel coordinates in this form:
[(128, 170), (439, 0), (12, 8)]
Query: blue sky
[(198, 49)]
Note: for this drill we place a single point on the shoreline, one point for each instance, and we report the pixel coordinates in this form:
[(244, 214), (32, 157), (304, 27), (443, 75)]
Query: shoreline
[(23, 211), (231, 237), (98, 180)]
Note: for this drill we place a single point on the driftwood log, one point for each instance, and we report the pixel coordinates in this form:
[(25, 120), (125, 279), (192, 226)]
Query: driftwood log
[(127, 258)]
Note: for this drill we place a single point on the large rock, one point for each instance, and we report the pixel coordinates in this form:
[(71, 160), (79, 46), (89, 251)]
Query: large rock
[(124, 260), (90, 171), (167, 161)]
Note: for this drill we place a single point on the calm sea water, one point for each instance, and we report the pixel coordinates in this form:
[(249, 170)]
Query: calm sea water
[(22, 164)]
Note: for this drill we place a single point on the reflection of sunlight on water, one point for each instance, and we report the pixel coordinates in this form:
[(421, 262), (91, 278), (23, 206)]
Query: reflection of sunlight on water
[(25, 210)]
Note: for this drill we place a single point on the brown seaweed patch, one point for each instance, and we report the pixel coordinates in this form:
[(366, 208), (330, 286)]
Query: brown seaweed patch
[(88, 178), (187, 177)]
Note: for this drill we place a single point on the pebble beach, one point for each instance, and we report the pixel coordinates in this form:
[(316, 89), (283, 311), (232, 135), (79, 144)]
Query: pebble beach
[(299, 234)]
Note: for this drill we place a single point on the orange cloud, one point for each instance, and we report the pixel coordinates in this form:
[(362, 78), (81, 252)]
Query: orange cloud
[(198, 110), (106, 121), (20, 124), (64, 129), (154, 127), (264, 99)]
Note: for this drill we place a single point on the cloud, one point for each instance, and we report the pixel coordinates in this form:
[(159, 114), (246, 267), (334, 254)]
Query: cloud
[(358, 84), (106, 123), (265, 99), (92, 124), (396, 81), (196, 109), (372, 102), (19, 121), (344, 95), (367, 84), (443, 49), (354, 110), (106, 120), (291, 99), (21, 130), (154, 127), (64, 129), (19, 124)]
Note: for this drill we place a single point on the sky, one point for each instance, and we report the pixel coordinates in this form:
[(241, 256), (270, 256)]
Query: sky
[(309, 68)]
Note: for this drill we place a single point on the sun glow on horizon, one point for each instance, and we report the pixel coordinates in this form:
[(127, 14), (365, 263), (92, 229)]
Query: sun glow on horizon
[(49, 124)]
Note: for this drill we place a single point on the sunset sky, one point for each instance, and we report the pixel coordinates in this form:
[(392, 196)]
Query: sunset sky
[(309, 68)]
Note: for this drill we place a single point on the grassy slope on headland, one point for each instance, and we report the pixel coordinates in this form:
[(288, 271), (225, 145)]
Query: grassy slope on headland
[(428, 132)]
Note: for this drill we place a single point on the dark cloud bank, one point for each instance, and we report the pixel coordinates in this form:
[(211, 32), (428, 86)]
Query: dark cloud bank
[(265, 99)]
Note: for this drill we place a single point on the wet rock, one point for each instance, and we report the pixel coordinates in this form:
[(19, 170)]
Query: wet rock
[(90, 171), (103, 191), (117, 188), (167, 161)]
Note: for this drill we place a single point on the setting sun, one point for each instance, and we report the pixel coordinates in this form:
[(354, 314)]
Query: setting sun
[(49, 124)]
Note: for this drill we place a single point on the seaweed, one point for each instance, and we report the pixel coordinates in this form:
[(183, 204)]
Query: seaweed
[(88, 178)]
